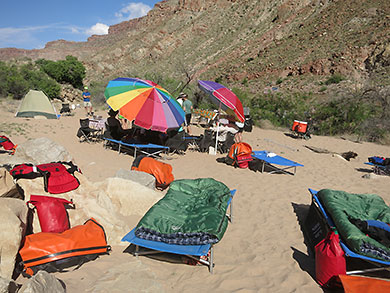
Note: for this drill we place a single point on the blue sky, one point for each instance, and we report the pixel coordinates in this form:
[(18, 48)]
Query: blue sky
[(30, 24)]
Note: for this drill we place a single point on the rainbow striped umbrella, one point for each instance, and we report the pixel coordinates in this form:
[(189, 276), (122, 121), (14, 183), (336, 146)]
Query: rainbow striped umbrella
[(144, 102), (223, 98)]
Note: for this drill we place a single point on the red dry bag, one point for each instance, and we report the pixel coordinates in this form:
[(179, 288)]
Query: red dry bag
[(330, 260), (51, 213)]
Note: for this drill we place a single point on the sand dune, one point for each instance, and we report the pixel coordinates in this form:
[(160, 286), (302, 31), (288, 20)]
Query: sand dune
[(263, 249)]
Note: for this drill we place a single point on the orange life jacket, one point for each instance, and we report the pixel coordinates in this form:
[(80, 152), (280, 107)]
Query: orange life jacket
[(241, 153), (161, 171)]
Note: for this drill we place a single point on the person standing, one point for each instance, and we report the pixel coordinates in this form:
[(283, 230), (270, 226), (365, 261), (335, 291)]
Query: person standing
[(187, 107), (87, 101), (238, 135), (180, 99)]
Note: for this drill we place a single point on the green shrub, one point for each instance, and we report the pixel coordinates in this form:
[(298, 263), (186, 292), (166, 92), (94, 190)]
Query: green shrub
[(17, 80), (335, 78), (279, 81), (69, 70)]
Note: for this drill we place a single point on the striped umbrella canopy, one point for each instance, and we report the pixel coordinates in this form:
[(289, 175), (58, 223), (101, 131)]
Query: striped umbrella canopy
[(224, 98), (144, 102)]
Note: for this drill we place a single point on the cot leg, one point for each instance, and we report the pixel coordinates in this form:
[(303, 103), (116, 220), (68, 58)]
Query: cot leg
[(262, 167), (366, 270), (230, 216), (119, 148), (211, 260), (136, 251)]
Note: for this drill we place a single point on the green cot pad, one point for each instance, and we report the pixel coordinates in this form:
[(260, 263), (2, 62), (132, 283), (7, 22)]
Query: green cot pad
[(192, 212), (343, 206)]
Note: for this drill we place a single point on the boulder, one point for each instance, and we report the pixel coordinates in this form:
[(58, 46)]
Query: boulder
[(13, 224), (41, 150), (7, 185), (142, 178), (7, 285), (43, 282)]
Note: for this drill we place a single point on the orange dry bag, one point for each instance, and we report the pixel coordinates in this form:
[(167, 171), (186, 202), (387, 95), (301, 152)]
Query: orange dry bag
[(54, 252)]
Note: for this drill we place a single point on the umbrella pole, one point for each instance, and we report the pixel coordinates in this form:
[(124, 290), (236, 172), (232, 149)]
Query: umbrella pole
[(216, 138)]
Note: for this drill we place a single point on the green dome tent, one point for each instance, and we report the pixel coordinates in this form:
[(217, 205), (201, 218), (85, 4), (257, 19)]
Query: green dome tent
[(36, 103)]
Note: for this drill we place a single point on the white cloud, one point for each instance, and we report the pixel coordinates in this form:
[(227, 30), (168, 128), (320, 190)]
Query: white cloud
[(98, 29), (132, 10), (11, 36)]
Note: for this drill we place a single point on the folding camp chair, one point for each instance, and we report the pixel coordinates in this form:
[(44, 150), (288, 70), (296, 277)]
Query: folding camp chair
[(192, 142), (201, 253), (85, 133), (270, 159), (65, 110), (380, 264), (224, 146), (207, 140)]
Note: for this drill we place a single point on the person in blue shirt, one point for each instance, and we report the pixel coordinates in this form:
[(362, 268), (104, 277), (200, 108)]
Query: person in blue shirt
[(87, 101)]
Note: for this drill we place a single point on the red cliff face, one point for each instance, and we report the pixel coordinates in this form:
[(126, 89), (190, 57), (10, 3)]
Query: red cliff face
[(125, 26)]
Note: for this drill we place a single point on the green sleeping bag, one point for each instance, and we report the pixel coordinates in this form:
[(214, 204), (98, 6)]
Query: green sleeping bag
[(344, 208), (193, 212)]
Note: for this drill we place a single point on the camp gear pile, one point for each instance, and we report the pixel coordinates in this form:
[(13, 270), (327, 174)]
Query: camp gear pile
[(193, 212), (345, 208)]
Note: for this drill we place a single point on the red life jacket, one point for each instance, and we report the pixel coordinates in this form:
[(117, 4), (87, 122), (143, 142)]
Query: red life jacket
[(57, 178), (7, 144)]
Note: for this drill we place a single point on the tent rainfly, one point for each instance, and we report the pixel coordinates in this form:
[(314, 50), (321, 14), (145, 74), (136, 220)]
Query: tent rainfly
[(36, 103)]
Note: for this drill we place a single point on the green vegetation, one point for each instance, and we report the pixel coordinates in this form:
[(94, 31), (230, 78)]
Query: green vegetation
[(16, 81), (43, 75), (365, 113), (335, 78), (69, 70)]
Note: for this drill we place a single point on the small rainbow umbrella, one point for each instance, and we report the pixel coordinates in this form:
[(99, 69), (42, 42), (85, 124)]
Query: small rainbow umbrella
[(144, 102), (223, 98)]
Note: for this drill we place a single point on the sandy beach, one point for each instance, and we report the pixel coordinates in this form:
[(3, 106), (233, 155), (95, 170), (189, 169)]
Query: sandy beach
[(263, 250)]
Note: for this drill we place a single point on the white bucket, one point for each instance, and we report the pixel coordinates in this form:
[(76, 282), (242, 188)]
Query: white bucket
[(212, 151)]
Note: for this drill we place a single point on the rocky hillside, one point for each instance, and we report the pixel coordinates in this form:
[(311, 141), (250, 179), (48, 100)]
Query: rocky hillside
[(251, 43)]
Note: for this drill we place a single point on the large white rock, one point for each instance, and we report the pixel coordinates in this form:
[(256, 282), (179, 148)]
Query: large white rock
[(43, 282), (143, 178), (42, 150), (7, 185), (37, 151), (13, 223)]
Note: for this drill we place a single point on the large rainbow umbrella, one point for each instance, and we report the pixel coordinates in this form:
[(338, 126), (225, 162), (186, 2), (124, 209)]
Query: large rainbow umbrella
[(144, 102)]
